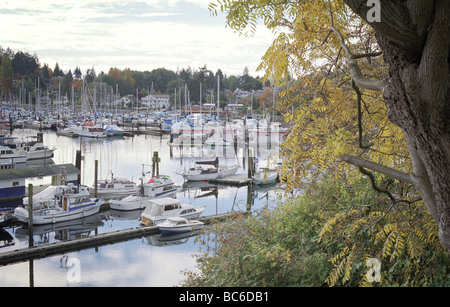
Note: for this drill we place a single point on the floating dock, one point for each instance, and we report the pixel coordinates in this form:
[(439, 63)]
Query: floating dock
[(24, 254)]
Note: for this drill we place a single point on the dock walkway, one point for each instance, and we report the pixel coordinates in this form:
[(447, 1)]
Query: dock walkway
[(23, 254)]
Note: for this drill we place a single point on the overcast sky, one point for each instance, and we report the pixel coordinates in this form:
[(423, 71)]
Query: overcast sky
[(141, 35)]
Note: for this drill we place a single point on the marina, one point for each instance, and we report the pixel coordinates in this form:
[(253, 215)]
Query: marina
[(117, 238)]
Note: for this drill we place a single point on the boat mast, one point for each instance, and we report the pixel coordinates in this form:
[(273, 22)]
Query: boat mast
[(218, 95)]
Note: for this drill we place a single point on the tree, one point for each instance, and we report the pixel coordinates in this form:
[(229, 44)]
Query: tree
[(414, 38), (90, 75), (77, 73), (24, 63), (57, 72), (6, 76)]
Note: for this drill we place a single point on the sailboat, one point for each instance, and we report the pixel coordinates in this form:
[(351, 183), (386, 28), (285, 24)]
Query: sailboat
[(201, 173)]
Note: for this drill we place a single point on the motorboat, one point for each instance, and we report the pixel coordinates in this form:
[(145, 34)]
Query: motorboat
[(46, 197), (32, 149), (12, 156), (160, 209), (179, 225), (69, 203), (200, 173), (265, 176), (69, 131), (91, 132), (88, 129), (267, 170), (115, 187), (155, 187), (210, 172), (37, 151)]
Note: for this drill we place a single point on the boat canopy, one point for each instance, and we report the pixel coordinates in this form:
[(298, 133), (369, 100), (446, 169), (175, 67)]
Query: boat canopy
[(158, 206)]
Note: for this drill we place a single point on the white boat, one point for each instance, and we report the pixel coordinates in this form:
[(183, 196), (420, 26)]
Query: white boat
[(66, 132), (68, 204), (88, 129), (11, 156), (38, 151), (46, 197), (156, 187), (160, 209), (211, 172), (36, 124), (115, 187), (265, 176), (179, 225)]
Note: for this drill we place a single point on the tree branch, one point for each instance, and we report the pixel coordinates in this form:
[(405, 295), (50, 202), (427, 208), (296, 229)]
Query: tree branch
[(388, 171), (365, 55), (353, 67), (355, 71), (359, 117)]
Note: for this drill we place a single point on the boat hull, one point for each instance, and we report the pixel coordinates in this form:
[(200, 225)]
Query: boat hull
[(200, 176), (132, 202), (135, 202), (148, 220), (265, 178), (40, 154), (45, 216)]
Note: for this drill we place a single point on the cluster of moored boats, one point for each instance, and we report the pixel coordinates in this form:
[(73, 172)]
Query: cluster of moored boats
[(15, 154), (155, 194), (64, 203)]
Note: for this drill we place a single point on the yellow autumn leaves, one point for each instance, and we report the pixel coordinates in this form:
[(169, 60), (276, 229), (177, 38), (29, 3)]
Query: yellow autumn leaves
[(328, 117)]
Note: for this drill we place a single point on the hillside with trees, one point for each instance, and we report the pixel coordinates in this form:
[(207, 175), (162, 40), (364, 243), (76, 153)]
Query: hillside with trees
[(23, 75)]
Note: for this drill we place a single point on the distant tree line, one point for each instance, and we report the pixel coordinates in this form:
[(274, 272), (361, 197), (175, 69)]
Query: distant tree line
[(21, 75)]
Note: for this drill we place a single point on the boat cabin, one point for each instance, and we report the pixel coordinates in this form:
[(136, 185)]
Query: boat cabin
[(159, 206)]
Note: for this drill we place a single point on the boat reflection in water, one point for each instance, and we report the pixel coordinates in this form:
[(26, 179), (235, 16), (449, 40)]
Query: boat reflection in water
[(62, 231), (171, 239)]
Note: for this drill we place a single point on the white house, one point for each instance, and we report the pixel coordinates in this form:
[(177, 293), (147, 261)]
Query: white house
[(239, 94), (156, 101)]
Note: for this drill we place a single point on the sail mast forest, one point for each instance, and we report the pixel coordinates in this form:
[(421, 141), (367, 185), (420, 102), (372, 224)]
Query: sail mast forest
[(21, 72), (364, 98)]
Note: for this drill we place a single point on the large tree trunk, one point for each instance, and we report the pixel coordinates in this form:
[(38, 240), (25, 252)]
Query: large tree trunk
[(414, 36)]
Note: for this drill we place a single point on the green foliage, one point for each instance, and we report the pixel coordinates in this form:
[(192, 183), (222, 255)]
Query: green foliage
[(258, 251), (324, 238), (6, 76)]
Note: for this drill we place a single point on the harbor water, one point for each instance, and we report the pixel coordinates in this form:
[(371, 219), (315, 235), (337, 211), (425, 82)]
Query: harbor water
[(147, 261)]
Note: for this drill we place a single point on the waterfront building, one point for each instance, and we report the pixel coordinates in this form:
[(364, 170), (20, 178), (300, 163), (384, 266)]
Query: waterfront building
[(153, 101)]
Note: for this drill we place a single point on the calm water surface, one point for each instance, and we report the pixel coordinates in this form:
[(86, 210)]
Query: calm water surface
[(148, 261)]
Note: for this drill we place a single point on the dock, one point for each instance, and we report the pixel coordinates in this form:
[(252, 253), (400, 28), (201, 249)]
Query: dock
[(236, 180), (35, 252)]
